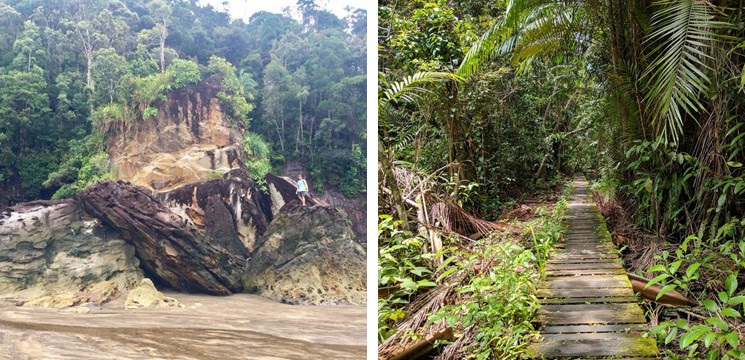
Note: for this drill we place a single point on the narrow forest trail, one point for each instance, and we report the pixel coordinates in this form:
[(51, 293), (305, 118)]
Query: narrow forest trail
[(588, 308)]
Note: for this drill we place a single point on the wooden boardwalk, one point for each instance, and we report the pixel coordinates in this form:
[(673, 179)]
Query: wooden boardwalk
[(588, 309)]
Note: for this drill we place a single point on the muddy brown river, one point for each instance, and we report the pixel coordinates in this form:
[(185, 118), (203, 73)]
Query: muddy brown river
[(235, 327)]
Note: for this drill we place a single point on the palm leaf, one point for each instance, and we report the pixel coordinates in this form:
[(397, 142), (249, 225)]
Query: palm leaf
[(681, 39), (528, 29), (410, 88)]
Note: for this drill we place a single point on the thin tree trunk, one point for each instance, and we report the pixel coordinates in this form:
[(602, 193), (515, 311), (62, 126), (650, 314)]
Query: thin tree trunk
[(386, 165), (163, 35)]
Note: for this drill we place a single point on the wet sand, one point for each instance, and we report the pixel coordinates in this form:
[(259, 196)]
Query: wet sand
[(235, 327)]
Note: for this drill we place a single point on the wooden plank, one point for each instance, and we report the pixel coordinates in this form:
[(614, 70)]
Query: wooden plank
[(584, 282), (579, 261), (585, 245), (583, 253), (626, 308), (592, 317), (636, 346), (582, 265), (590, 336), (573, 293), (588, 306), (560, 329), (583, 256), (589, 300), (586, 272)]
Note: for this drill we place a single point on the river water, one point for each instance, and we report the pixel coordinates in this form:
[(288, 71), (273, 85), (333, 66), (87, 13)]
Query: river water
[(234, 327)]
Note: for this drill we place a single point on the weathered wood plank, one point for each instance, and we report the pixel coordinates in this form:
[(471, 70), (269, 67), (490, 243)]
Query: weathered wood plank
[(584, 256), (590, 336), (586, 272), (590, 245), (589, 317), (632, 346), (583, 282), (589, 300), (588, 306), (579, 261), (562, 329), (573, 293), (626, 308), (550, 266)]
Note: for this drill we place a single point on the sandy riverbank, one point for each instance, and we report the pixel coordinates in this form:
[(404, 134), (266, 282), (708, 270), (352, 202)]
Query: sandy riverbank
[(234, 327)]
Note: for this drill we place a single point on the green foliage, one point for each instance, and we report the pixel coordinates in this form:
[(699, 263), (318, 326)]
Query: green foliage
[(402, 264), (151, 88), (232, 95), (662, 185), (183, 73), (259, 154), (82, 166), (72, 69), (685, 33), (107, 116), (499, 301), (717, 336), (493, 281)]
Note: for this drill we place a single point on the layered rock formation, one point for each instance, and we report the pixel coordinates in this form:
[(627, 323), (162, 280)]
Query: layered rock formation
[(282, 190), (190, 139), (53, 254), (226, 209), (308, 256), (167, 245)]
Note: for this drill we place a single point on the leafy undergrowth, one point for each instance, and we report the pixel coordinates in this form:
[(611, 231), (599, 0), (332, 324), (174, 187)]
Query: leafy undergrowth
[(704, 267), (482, 292)]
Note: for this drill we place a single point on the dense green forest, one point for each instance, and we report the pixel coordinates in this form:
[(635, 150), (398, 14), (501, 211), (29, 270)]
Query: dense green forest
[(486, 103), (68, 69)]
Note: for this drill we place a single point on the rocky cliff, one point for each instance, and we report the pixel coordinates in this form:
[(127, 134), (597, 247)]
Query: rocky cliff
[(189, 139), (185, 213)]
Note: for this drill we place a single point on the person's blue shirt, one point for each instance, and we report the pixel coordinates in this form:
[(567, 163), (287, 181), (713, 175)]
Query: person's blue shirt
[(301, 185)]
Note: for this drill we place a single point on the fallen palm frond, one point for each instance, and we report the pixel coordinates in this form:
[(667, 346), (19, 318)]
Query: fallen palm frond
[(415, 322), (458, 349), (455, 219)]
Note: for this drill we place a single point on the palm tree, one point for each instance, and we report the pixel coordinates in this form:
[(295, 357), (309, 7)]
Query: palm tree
[(408, 90)]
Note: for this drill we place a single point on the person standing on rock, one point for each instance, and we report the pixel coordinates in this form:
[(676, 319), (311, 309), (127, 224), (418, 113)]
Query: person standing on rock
[(302, 188)]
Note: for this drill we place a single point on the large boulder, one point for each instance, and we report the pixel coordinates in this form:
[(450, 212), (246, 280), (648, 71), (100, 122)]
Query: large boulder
[(52, 254), (169, 248), (145, 295), (308, 256), (282, 191)]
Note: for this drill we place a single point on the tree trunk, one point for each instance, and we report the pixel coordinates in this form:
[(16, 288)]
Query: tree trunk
[(386, 164), (163, 35)]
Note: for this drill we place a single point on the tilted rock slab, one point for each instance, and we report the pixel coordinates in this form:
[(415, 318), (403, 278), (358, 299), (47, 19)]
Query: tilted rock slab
[(53, 255), (231, 211), (308, 256), (166, 245)]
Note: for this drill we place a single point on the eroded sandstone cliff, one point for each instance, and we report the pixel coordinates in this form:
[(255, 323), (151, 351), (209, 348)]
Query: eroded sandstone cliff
[(189, 139), (188, 214)]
